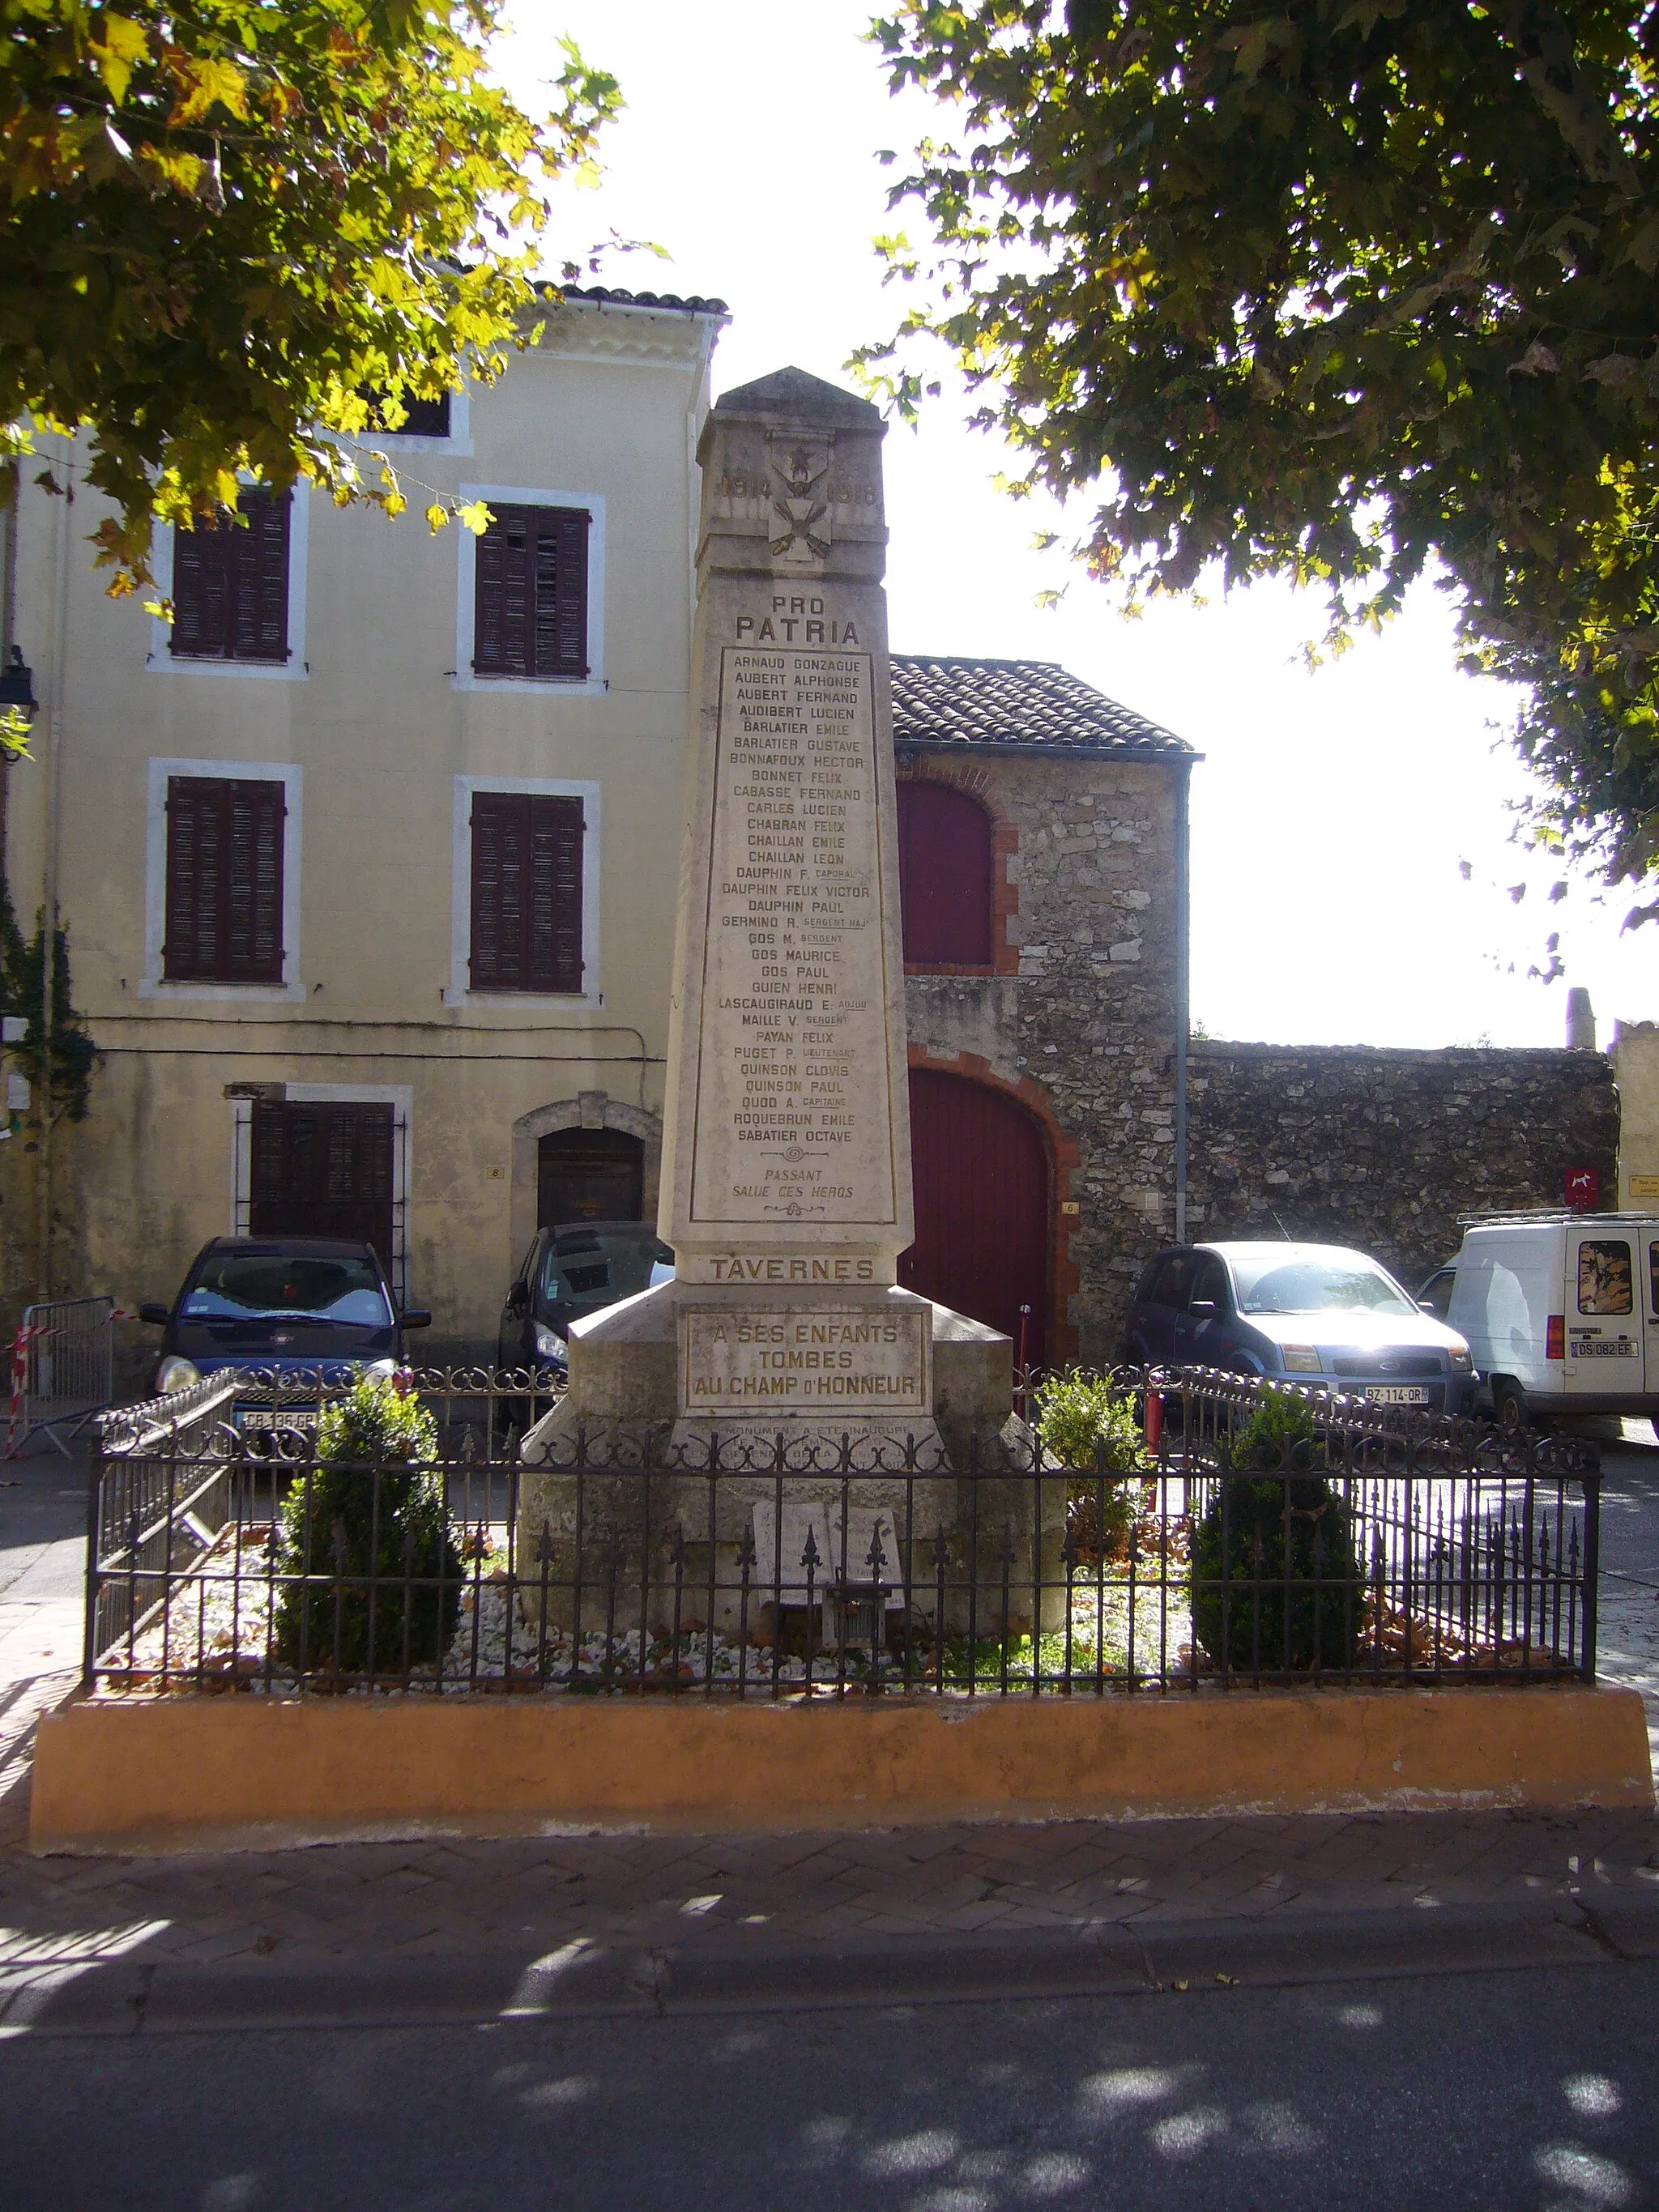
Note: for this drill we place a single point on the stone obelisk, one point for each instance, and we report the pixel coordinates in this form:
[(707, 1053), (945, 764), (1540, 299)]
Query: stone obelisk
[(786, 1158), (785, 1188)]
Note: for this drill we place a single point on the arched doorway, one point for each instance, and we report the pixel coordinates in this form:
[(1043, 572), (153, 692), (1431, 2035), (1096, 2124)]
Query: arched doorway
[(981, 1171), (589, 1175)]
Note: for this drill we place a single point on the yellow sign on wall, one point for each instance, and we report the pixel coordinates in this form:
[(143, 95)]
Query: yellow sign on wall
[(1644, 1186)]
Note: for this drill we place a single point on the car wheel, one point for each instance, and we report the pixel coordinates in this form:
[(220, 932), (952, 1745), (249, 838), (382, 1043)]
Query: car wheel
[(1508, 1407)]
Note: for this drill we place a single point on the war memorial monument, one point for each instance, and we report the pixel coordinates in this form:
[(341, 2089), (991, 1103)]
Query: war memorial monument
[(785, 1186), (784, 1341)]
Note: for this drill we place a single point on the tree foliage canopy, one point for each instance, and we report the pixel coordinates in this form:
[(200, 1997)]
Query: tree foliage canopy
[(227, 221), (1335, 288)]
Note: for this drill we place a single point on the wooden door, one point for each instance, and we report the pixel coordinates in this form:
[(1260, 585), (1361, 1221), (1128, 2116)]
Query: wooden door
[(322, 1168), (589, 1175), (981, 1169)]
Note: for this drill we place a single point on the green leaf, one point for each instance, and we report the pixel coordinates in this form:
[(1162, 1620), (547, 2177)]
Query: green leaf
[(224, 218), (1350, 294)]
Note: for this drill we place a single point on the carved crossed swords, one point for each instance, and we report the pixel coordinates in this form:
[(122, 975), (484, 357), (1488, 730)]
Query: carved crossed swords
[(798, 507)]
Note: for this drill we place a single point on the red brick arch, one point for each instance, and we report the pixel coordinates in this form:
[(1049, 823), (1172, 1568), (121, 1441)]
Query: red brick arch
[(1063, 1274)]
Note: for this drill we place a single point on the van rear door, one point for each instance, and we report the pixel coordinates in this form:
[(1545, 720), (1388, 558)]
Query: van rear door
[(1648, 1291), (1605, 1325)]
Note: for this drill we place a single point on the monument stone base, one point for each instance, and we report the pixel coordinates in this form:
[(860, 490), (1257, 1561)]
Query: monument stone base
[(629, 1383), (956, 1458)]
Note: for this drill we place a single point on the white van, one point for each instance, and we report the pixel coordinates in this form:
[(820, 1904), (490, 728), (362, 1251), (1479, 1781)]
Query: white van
[(1561, 1311)]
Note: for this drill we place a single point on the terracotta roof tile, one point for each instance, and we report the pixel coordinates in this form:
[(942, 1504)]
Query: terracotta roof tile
[(612, 295), (1037, 703)]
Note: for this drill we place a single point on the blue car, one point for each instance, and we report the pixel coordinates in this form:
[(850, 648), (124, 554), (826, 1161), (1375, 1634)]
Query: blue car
[(1316, 1314), (316, 1305)]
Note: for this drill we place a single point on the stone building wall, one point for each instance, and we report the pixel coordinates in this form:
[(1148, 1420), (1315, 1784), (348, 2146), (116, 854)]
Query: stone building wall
[(1083, 1029), (1384, 1149), (1635, 1058)]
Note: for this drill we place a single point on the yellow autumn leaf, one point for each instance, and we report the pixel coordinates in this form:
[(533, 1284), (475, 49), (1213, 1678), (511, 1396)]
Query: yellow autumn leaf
[(209, 84), (182, 171), (123, 46), (476, 517), (436, 516)]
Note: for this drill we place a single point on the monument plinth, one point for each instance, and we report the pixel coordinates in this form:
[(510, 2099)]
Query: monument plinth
[(786, 1188)]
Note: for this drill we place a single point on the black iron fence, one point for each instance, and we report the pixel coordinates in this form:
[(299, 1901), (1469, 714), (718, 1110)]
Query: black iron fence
[(1353, 1547)]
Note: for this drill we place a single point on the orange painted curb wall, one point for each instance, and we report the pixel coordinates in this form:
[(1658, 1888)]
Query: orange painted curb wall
[(185, 1772)]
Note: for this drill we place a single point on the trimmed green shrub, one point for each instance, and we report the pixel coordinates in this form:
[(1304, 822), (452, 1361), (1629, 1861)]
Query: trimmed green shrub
[(373, 1504), (1276, 1542), (1090, 1425)]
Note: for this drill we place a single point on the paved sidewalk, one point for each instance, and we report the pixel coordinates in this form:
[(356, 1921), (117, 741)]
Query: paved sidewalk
[(454, 1898), (359, 1907)]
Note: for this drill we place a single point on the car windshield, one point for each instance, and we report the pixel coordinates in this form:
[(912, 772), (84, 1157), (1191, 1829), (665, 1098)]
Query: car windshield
[(587, 1268), (289, 1286), (1315, 1282)]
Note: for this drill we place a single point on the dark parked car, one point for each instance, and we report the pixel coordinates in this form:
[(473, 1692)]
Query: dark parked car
[(320, 1304), (573, 1269), (1318, 1313)]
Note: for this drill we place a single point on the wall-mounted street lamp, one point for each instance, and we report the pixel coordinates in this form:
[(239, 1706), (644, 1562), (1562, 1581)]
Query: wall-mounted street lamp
[(17, 684)]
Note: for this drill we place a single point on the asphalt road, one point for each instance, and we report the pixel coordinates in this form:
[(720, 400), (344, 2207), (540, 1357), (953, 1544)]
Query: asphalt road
[(1501, 2092)]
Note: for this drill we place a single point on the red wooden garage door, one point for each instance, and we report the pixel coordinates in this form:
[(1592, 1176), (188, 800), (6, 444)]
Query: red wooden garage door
[(981, 1187)]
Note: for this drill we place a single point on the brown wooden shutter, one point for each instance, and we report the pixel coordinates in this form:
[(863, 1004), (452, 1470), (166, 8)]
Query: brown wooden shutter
[(198, 592), (529, 618), (527, 892), (562, 591), (195, 850), (261, 568), (253, 936), (322, 1169), (495, 867), (553, 958), (492, 556), (224, 890), (230, 583)]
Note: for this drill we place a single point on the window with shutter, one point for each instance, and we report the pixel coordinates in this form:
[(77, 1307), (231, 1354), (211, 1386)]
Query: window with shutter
[(322, 1169), (230, 583), (945, 877), (423, 418), (530, 604), (224, 887), (527, 892)]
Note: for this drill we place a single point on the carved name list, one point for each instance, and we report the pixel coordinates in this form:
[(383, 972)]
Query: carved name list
[(794, 1116)]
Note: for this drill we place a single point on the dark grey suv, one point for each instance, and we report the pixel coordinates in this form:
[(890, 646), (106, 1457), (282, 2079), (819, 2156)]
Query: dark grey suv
[(1319, 1314), (573, 1269)]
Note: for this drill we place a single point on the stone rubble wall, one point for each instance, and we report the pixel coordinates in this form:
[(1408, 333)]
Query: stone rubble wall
[(1084, 1030), (1383, 1149)]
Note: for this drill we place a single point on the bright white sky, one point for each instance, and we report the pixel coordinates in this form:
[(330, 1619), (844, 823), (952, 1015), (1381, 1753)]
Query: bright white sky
[(1331, 810)]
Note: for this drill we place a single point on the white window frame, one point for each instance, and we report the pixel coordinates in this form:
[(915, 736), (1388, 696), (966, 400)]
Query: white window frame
[(400, 1096), (153, 984), (458, 443), (296, 668), (593, 683), (460, 992)]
